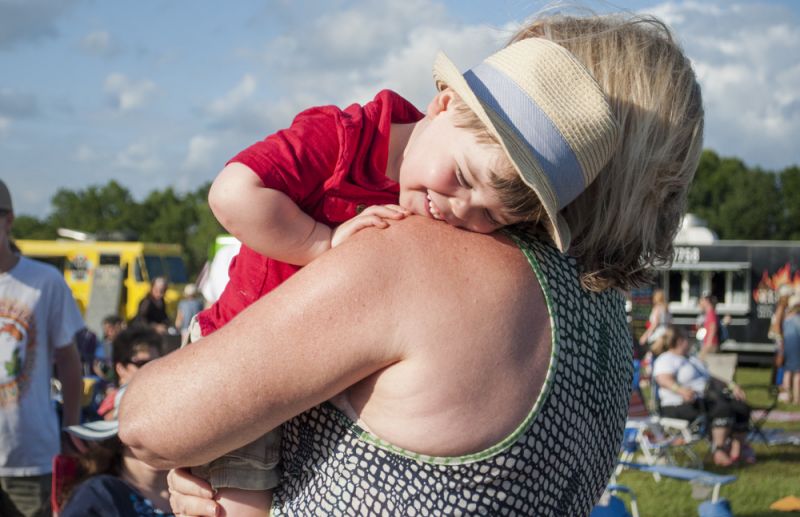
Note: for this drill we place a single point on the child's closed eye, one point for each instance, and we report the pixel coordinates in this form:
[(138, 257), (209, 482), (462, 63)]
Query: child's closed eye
[(461, 179)]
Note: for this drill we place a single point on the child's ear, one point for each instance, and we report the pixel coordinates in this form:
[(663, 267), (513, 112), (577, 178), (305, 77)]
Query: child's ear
[(440, 102)]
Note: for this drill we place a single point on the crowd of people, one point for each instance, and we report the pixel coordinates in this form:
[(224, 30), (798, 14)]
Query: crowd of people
[(299, 384)]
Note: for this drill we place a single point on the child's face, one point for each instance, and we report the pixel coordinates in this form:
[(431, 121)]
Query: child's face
[(445, 172)]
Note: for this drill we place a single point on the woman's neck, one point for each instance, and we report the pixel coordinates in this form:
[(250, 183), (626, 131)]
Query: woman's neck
[(149, 482)]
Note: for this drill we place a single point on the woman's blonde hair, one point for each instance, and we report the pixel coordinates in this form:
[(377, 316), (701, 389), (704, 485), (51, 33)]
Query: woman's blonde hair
[(624, 223), (668, 340), (658, 297)]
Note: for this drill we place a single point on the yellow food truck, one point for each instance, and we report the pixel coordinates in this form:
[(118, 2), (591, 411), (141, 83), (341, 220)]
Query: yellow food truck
[(105, 273)]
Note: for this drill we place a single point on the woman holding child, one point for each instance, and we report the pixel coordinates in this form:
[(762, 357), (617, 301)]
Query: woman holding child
[(424, 370)]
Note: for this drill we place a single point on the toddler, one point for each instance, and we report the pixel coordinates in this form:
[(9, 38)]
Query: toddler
[(514, 140)]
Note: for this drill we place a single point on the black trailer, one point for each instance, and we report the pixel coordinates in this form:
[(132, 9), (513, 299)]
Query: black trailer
[(745, 277)]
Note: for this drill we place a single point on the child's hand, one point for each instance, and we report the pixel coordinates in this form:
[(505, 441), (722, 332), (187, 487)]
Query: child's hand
[(372, 216)]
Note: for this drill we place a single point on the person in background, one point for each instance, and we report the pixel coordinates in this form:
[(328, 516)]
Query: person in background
[(153, 309), (188, 308), (659, 318), (711, 325), (112, 325), (683, 382), (133, 347), (38, 324), (112, 482), (791, 351), (775, 333)]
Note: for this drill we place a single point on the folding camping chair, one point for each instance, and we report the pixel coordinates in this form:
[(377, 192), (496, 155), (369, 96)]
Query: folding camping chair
[(65, 473), (703, 483), (658, 440), (611, 505)]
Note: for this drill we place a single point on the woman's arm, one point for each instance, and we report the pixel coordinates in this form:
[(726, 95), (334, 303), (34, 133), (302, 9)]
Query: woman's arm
[(329, 326), (264, 219), (668, 381)]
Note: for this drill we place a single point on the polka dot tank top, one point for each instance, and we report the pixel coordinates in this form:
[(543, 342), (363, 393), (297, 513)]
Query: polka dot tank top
[(557, 462)]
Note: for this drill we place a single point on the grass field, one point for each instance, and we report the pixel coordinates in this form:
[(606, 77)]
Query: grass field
[(775, 475)]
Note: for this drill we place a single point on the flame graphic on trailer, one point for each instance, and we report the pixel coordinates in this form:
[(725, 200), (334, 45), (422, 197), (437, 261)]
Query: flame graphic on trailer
[(766, 292)]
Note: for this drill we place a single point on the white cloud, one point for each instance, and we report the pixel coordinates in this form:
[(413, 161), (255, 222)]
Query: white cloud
[(235, 99), (348, 56), (99, 43), (201, 154), (139, 157), (126, 94), (85, 153), (746, 58)]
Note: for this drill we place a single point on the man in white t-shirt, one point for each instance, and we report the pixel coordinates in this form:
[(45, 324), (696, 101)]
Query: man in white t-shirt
[(38, 322)]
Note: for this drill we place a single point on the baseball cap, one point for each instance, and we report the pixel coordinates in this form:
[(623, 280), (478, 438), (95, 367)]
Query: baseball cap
[(95, 431), (5, 198)]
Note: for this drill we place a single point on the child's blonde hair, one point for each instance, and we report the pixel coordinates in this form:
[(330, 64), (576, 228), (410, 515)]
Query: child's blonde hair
[(624, 223)]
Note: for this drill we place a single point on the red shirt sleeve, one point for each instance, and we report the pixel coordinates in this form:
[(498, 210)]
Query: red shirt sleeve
[(297, 160)]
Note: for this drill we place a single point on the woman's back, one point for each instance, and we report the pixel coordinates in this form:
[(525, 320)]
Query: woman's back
[(539, 461)]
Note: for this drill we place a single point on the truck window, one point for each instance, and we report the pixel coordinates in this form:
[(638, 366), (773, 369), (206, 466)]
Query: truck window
[(137, 271), (674, 290), (109, 260), (57, 261), (718, 285), (176, 270), (740, 291), (155, 267)]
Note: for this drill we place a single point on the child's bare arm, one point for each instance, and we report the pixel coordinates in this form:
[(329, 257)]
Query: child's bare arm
[(266, 220), (372, 216)]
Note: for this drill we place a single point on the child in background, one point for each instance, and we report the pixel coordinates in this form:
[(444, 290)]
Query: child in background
[(513, 140)]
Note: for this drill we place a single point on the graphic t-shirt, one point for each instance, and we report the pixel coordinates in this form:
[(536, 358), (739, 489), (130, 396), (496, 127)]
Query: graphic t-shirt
[(37, 315)]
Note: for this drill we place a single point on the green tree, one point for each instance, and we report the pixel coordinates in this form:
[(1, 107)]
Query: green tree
[(108, 208), (752, 209), (790, 196), (737, 202), (28, 227)]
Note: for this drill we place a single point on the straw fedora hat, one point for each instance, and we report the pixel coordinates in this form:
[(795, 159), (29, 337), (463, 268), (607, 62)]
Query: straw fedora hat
[(549, 114)]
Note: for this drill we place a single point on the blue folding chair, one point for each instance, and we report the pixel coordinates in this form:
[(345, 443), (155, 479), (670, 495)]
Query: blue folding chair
[(610, 505)]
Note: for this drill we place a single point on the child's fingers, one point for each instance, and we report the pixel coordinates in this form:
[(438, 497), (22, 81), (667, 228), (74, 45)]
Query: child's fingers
[(386, 211), (181, 480), (190, 495), (367, 220)]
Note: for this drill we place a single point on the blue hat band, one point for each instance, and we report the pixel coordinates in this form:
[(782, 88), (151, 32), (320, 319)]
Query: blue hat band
[(545, 142)]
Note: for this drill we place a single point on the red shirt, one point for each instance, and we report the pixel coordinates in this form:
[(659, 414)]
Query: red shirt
[(332, 164)]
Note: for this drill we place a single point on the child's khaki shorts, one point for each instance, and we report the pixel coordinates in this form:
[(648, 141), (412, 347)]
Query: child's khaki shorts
[(252, 467)]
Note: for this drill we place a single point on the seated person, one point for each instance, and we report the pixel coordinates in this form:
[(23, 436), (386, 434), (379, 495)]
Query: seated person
[(112, 482), (131, 349), (688, 391)]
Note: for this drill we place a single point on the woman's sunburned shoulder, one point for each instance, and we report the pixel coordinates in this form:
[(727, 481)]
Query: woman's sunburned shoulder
[(475, 333)]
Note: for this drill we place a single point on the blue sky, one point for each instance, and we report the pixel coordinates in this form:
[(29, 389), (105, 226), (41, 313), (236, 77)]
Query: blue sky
[(156, 93)]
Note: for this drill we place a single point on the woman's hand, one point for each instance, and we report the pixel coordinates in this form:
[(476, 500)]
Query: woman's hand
[(687, 394), (190, 496), (737, 391)]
